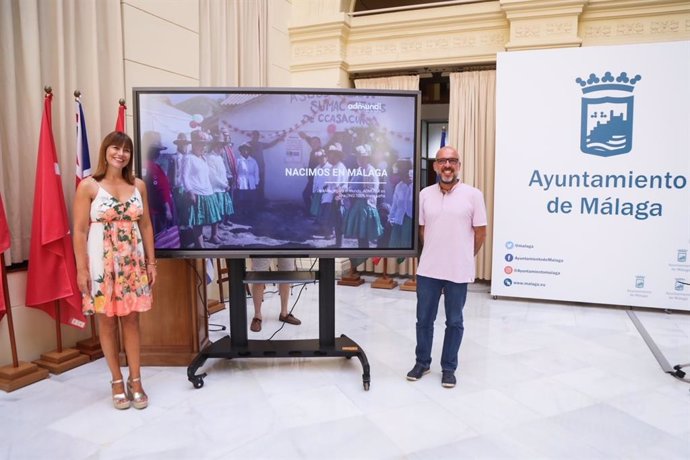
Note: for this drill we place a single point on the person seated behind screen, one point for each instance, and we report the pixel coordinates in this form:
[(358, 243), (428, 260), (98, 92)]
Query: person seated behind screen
[(262, 265), (247, 180)]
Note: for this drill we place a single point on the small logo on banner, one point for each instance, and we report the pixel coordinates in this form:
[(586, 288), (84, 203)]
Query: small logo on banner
[(639, 282), (680, 284), (607, 114), (682, 255)]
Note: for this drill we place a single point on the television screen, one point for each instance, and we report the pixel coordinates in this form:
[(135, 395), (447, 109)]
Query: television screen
[(242, 172)]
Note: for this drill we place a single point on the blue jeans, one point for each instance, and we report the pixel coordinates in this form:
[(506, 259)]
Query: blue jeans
[(428, 295)]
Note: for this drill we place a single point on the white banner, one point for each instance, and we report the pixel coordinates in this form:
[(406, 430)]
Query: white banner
[(592, 197)]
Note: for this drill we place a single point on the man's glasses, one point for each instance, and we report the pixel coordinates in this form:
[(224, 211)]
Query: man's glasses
[(452, 161)]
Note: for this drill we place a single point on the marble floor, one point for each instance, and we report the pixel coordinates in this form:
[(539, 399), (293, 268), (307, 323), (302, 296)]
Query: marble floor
[(537, 380)]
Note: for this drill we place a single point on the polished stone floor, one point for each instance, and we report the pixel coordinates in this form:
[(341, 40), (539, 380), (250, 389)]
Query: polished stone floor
[(537, 380)]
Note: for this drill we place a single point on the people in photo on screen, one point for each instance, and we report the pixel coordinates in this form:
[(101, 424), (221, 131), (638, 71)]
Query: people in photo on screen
[(116, 266), (452, 229), (219, 178), (262, 265), (318, 186), (161, 204), (362, 220), (257, 152), (314, 160), (229, 158), (203, 205), (175, 176), (331, 199), (400, 216), (247, 181)]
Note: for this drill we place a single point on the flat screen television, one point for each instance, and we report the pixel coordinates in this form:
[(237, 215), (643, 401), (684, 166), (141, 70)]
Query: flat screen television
[(265, 172)]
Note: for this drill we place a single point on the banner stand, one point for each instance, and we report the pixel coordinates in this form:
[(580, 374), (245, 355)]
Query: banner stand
[(61, 360), (19, 374)]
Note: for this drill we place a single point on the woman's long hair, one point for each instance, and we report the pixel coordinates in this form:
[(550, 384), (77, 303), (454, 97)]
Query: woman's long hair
[(118, 139)]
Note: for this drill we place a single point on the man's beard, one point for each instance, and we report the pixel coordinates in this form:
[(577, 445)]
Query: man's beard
[(453, 178)]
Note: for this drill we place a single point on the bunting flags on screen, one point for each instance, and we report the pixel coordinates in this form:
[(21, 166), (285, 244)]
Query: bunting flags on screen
[(52, 273), (4, 246), (120, 123), (83, 157)]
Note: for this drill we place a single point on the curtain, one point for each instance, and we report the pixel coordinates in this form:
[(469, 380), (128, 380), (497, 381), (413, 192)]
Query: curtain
[(68, 45), (472, 130), (233, 42), (407, 82), (233, 36)]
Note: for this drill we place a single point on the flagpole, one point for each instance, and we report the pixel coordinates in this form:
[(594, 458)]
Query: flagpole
[(8, 312), (58, 329), (411, 284), (19, 374), (384, 282), (91, 346)]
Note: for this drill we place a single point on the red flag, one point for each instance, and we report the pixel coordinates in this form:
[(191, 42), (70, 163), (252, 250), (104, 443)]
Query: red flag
[(376, 260), (120, 123), (52, 273), (4, 246)]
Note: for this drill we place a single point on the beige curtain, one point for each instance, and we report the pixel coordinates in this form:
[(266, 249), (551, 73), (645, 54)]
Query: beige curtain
[(472, 130), (408, 82), (233, 41), (68, 45), (233, 37)]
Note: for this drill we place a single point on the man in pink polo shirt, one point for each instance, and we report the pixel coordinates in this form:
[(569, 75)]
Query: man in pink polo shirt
[(452, 229)]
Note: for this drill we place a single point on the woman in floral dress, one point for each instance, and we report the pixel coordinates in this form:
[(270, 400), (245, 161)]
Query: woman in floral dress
[(113, 245)]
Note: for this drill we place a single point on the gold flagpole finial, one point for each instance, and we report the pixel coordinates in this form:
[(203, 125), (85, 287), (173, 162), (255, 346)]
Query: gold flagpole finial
[(77, 94), (122, 101), (48, 90)]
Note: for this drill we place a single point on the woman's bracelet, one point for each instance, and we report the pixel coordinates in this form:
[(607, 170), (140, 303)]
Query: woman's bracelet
[(154, 263)]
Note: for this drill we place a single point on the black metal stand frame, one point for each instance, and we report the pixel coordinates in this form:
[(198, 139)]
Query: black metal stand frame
[(236, 345)]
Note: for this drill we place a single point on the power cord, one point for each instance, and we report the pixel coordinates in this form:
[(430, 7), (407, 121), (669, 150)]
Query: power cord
[(299, 294), (202, 295)]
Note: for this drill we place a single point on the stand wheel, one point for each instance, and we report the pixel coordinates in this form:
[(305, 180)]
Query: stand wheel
[(198, 382), (348, 357), (366, 386)]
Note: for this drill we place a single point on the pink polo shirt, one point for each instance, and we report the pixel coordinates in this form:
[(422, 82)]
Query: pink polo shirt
[(448, 251)]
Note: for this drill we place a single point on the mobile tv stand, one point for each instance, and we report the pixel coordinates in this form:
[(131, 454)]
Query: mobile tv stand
[(236, 344)]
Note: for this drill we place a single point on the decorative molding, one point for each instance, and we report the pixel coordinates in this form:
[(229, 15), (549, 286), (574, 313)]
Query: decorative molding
[(330, 43), (634, 21), (542, 24), (413, 51)]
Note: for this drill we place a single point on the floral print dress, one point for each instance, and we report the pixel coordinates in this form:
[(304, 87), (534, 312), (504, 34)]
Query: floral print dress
[(119, 284)]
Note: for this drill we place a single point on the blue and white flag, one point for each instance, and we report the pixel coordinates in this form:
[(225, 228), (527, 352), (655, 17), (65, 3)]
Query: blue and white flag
[(83, 158)]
